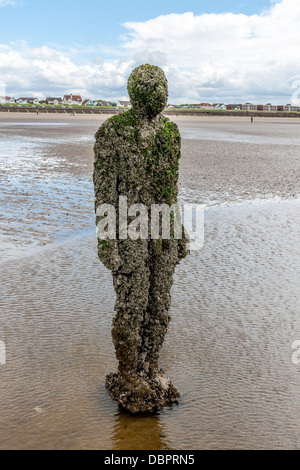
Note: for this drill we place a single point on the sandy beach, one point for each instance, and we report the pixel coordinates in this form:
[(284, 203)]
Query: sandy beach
[(4, 117), (235, 303)]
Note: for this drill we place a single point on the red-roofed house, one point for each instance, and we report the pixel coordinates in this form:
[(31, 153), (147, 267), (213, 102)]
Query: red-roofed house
[(205, 105), (72, 99)]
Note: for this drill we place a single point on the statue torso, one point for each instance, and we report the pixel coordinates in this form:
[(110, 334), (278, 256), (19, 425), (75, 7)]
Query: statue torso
[(138, 159)]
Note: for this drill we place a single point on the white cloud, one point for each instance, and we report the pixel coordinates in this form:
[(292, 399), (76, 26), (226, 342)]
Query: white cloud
[(4, 3), (46, 71), (225, 56), (211, 57)]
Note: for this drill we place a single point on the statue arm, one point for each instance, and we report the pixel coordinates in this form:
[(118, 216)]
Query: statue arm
[(106, 192), (176, 144), (105, 165)]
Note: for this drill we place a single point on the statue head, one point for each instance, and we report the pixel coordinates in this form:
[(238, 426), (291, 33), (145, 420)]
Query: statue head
[(148, 90)]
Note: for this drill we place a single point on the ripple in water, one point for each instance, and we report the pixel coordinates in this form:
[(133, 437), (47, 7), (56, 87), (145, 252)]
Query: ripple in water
[(235, 316)]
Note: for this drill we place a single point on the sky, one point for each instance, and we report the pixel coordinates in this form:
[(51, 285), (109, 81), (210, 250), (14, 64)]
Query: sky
[(229, 51)]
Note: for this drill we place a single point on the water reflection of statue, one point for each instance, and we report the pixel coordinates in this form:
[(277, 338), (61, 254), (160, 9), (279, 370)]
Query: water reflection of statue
[(138, 433), (137, 155)]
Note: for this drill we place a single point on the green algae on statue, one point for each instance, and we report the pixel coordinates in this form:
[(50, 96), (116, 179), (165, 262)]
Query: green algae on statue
[(137, 156)]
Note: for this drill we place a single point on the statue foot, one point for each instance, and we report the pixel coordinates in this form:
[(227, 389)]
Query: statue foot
[(143, 394)]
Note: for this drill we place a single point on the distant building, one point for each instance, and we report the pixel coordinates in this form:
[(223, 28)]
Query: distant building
[(250, 107), (236, 107), (104, 103), (270, 107), (54, 101), (289, 108), (72, 99), (6, 100), (205, 105), (26, 100), (219, 106), (124, 104), (88, 103)]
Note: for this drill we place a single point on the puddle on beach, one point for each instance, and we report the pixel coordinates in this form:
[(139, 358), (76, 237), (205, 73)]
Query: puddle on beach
[(235, 303)]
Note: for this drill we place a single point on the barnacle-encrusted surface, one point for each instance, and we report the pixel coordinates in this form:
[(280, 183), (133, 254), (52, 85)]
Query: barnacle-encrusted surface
[(137, 155)]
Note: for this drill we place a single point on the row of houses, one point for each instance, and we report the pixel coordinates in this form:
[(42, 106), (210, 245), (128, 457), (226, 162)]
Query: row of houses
[(245, 107), (71, 100), (264, 107), (269, 107), (67, 100), (199, 106)]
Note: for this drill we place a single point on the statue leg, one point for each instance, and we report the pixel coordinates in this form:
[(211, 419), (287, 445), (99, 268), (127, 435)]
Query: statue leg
[(132, 291), (131, 283), (143, 299), (162, 266)]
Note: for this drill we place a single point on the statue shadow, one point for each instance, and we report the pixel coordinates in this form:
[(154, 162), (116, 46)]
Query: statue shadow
[(140, 432)]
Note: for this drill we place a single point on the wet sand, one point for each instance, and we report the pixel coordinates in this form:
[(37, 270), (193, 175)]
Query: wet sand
[(235, 308)]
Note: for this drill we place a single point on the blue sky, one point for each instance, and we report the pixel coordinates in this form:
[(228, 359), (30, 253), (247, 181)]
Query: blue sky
[(231, 50), (69, 22)]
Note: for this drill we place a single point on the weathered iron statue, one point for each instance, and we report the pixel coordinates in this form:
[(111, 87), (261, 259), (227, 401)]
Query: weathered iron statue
[(137, 157)]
